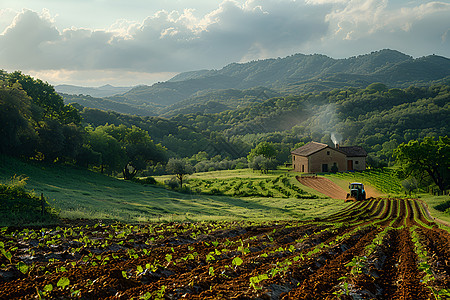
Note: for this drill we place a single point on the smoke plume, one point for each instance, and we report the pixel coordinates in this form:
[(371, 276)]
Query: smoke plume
[(336, 138)]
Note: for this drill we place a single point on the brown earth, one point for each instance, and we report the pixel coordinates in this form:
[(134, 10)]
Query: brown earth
[(322, 259), (329, 188)]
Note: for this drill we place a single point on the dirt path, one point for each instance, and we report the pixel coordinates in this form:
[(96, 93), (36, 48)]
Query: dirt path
[(329, 188), (427, 211)]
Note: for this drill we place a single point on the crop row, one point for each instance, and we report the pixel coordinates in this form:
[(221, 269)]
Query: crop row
[(360, 251), (384, 180), (279, 187)]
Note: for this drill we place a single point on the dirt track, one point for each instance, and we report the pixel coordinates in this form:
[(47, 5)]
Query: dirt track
[(329, 188)]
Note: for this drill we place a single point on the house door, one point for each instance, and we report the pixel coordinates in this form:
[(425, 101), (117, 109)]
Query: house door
[(349, 165), (324, 167)]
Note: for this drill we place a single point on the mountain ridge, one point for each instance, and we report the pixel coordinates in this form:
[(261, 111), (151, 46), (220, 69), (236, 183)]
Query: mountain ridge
[(294, 74)]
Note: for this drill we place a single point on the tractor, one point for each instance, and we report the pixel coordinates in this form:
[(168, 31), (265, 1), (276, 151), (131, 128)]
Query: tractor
[(357, 192)]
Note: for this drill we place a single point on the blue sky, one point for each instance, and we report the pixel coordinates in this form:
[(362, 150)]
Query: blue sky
[(130, 42)]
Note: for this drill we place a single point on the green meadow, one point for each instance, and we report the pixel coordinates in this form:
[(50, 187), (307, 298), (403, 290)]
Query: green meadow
[(79, 193), (219, 195)]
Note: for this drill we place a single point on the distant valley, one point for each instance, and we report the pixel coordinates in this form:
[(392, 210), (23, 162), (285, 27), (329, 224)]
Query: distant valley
[(240, 84), (102, 91)]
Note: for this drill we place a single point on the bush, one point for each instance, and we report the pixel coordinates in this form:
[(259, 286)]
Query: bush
[(146, 180), (19, 207), (172, 183)]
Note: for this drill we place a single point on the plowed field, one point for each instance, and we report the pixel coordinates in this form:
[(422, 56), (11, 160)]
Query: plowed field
[(377, 249), (329, 188)]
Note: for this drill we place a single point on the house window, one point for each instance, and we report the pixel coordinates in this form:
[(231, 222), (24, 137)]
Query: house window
[(293, 157), (328, 152), (356, 162), (303, 168)]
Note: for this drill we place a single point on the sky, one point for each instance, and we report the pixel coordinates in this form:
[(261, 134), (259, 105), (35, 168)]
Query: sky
[(132, 42)]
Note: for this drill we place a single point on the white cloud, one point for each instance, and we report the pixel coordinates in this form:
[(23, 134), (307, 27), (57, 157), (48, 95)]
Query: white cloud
[(175, 41), (416, 28), (165, 41), (7, 16)]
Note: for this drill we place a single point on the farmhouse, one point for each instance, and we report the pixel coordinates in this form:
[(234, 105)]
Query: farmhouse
[(317, 157)]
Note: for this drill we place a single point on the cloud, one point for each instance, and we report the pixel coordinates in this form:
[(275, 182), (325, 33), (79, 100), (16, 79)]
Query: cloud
[(163, 42), (176, 41), (383, 24)]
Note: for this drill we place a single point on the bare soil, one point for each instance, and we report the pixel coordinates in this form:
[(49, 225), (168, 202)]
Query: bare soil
[(233, 260), (329, 188)]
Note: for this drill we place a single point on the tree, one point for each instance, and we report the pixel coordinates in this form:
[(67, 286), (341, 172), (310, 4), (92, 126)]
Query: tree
[(264, 157), (180, 168), (15, 112), (429, 158), (266, 149), (141, 154), (45, 96), (86, 156), (112, 154), (263, 163), (139, 148)]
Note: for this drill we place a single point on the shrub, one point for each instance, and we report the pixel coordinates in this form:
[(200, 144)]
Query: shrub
[(19, 207), (146, 180), (172, 183)]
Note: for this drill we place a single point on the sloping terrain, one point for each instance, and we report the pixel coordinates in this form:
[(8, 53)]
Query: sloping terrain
[(296, 74), (378, 249), (329, 188)]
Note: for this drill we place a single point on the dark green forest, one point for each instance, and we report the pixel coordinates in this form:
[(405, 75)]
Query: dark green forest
[(37, 125)]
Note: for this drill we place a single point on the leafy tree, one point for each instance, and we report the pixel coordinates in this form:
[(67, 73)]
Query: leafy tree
[(45, 96), (180, 168), (86, 156), (429, 157), (112, 154), (377, 86), (15, 113), (262, 163), (51, 140), (139, 148), (265, 149)]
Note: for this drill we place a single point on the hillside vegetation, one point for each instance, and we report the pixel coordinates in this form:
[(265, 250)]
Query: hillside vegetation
[(295, 74), (377, 118), (79, 193)]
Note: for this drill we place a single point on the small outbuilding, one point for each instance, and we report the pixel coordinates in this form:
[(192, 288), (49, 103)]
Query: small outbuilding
[(317, 158)]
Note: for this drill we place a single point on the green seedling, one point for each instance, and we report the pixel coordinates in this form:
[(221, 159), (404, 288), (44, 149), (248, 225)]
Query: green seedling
[(255, 280), (237, 262), (63, 282)]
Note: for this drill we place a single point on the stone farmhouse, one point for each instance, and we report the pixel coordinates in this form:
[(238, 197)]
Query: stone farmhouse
[(317, 158)]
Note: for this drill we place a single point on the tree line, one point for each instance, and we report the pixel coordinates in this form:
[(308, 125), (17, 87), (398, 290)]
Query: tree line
[(36, 124)]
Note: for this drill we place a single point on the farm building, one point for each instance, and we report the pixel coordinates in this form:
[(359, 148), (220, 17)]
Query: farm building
[(317, 157)]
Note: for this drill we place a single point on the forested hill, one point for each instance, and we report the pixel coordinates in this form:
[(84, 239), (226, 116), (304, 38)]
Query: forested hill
[(377, 118), (35, 124), (297, 74)]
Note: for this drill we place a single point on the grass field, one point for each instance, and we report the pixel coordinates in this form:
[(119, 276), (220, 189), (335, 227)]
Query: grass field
[(78, 193), (82, 194)]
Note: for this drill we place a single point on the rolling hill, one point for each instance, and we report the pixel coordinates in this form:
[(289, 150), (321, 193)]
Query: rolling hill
[(102, 91), (190, 92)]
